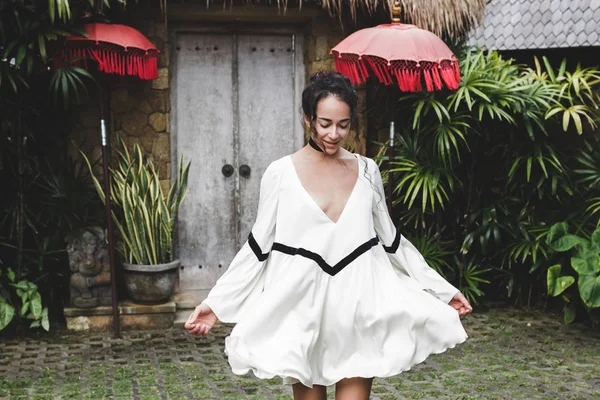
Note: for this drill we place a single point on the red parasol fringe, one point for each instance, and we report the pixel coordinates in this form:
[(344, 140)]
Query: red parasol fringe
[(408, 75), (138, 64), (409, 80), (402, 78), (112, 63), (368, 61), (381, 72), (437, 81), (451, 76), (363, 69), (416, 81), (428, 80), (349, 72), (358, 70), (353, 70), (341, 65)]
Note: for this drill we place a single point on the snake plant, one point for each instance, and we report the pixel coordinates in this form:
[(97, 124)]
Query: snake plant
[(147, 218)]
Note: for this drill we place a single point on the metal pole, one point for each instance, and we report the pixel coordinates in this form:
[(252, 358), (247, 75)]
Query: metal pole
[(109, 221), (389, 164)]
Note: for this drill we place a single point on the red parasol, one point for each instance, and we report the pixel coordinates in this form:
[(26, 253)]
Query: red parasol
[(118, 49), (122, 50), (405, 52), (408, 53)]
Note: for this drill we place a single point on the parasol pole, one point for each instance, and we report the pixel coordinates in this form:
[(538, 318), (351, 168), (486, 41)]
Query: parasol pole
[(113, 61), (389, 165), (395, 19), (109, 222)]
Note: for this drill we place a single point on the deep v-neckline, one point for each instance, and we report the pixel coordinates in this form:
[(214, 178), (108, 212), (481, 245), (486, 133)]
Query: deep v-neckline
[(311, 199)]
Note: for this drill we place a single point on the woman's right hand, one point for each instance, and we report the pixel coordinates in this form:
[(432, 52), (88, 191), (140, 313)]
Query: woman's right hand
[(201, 320)]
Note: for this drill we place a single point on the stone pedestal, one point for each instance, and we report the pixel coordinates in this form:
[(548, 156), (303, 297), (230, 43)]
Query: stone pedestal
[(132, 316)]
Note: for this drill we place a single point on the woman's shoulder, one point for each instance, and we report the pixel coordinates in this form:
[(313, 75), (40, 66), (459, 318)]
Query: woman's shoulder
[(369, 162), (275, 169), (277, 165)]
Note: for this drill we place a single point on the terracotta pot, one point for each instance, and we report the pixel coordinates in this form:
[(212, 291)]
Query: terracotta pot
[(151, 284)]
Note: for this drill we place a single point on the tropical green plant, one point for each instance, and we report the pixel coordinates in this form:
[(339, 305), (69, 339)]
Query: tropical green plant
[(436, 252), (472, 277), (33, 221), (46, 197), (147, 217), (495, 164), (584, 261), (575, 98), (29, 31), (30, 307)]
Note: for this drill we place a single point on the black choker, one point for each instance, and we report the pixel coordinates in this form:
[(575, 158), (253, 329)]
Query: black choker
[(314, 145)]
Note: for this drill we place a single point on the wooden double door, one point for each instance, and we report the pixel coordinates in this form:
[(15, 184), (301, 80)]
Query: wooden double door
[(236, 100)]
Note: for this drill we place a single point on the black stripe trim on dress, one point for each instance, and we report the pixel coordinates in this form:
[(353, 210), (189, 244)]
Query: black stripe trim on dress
[(293, 251), (256, 248), (395, 243)]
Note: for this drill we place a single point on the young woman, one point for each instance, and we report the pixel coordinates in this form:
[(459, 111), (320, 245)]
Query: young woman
[(326, 290)]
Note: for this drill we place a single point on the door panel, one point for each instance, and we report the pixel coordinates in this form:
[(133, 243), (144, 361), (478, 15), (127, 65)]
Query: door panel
[(266, 113), (204, 130), (235, 102)]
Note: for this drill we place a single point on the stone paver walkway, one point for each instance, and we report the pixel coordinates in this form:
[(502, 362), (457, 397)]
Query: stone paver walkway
[(510, 354)]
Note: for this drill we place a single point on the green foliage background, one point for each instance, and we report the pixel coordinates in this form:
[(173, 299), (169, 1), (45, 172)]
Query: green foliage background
[(488, 169), (45, 195)]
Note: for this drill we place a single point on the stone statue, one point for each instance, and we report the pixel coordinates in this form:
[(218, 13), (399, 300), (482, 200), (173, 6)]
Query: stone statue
[(90, 267)]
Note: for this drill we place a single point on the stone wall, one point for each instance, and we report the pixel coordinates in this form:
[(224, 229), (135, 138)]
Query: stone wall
[(139, 113), (141, 110)]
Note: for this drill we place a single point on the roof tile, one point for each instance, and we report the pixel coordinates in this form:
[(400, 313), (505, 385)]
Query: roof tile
[(579, 26), (582, 38), (519, 41), (538, 42), (521, 24)]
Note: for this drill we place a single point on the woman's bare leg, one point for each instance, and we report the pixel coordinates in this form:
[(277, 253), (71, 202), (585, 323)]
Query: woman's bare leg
[(317, 392), (353, 389)]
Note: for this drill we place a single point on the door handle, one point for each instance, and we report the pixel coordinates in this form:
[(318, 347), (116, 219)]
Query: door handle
[(227, 170), (245, 171)]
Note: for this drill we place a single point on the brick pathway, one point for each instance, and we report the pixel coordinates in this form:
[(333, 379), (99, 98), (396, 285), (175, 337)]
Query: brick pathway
[(510, 354)]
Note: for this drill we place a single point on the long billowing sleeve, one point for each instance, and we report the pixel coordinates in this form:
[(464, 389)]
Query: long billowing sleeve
[(244, 279), (405, 258)]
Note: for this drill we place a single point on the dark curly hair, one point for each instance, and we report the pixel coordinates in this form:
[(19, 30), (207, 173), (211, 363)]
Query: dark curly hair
[(327, 83), (324, 84)]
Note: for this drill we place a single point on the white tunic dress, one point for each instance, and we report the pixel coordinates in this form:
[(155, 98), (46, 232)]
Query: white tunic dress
[(316, 301)]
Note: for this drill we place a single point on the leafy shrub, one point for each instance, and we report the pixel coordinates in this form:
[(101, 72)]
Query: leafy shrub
[(493, 165), (29, 302), (584, 261)]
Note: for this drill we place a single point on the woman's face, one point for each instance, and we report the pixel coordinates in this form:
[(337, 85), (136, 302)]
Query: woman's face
[(332, 124)]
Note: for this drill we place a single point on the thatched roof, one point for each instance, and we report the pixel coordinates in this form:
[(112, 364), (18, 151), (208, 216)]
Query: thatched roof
[(452, 18), (447, 18)]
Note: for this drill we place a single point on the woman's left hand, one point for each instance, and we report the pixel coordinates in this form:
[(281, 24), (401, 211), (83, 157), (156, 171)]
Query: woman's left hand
[(461, 304)]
